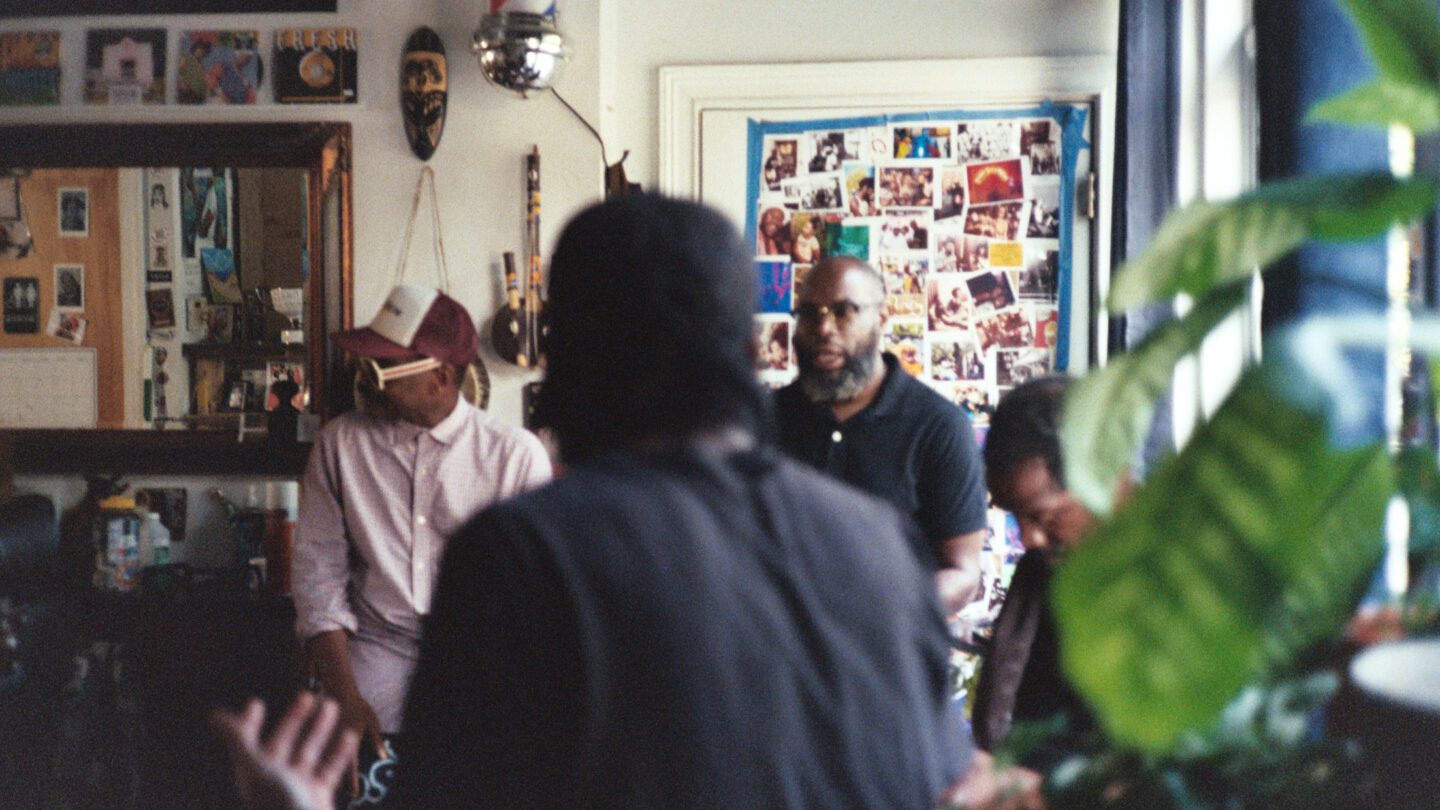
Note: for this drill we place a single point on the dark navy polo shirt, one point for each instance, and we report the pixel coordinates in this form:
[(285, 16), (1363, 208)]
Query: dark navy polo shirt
[(911, 447)]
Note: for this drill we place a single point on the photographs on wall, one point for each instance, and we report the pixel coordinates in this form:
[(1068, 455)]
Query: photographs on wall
[(125, 66), (29, 68), (74, 211), (218, 67), (22, 305), (67, 326), (70, 287), (963, 215)]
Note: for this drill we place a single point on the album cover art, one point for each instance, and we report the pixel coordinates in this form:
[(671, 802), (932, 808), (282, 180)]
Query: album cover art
[(316, 65), (218, 67), (29, 68), (125, 66)]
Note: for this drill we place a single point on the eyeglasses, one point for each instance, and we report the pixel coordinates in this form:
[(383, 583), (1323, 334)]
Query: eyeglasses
[(374, 375), (842, 311)]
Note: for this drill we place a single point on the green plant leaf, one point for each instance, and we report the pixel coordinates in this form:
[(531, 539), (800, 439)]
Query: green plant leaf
[(1402, 36), (1381, 103), (1419, 479), (1206, 245), (1249, 545), (1108, 412)]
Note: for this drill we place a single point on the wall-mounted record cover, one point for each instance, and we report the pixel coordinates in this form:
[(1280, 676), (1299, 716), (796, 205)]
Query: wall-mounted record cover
[(125, 66), (218, 67), (316, 65), (29, 67)]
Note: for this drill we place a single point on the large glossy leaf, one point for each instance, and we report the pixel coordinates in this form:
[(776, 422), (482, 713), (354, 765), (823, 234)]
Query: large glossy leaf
[(1248, 545), (1206, 245), (1402, 36), (1381, 103), (1108, 412)]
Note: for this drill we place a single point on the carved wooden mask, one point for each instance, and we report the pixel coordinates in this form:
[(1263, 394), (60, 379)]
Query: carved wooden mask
[(424, 79)]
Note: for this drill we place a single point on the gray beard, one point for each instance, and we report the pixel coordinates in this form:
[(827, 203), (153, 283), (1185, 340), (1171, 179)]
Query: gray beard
[(823, 389)]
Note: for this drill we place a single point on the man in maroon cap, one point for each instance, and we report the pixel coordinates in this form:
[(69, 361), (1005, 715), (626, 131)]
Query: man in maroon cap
[(385, 487)]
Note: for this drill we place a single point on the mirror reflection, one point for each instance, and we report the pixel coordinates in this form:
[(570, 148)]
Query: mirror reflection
[(171, 297)]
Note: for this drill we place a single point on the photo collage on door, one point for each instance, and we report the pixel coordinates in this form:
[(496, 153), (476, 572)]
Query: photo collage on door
[(961, 216)]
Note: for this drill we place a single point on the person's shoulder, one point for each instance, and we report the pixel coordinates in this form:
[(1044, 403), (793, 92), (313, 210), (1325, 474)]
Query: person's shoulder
[(836, 502), (511, 437), (348, 425), (921, 400)]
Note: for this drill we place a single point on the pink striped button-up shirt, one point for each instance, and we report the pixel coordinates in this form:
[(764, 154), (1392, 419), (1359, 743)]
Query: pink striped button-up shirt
[(379, 500)]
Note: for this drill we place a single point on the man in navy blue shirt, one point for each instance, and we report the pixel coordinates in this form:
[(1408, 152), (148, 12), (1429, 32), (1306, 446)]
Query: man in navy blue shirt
[(854, 413)]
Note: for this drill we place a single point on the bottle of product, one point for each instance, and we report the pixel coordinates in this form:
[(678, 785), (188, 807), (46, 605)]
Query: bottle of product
[(281, 499), (154, 541), (117, 544)]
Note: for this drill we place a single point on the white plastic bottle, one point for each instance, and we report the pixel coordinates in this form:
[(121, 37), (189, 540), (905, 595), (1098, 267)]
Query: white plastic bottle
[(154, 541)]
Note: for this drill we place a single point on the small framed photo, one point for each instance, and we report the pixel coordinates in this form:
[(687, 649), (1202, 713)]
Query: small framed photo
[(74, 211), (237, 395), (70, 287)]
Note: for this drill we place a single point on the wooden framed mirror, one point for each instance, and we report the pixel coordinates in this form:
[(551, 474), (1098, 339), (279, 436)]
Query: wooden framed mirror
[(221, 346)]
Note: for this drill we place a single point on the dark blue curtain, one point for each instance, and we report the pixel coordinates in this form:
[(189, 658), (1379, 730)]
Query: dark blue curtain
[(1147, 123), (1308, 50)]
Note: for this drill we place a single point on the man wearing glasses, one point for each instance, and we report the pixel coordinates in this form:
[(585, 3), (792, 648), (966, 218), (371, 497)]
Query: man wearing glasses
[(854, 413), (385, 487)]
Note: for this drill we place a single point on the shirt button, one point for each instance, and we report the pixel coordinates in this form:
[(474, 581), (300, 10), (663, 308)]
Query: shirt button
[(836, 436), (420, 520)]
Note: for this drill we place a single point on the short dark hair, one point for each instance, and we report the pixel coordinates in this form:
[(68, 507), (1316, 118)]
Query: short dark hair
[(650, 335), (1025, 426)]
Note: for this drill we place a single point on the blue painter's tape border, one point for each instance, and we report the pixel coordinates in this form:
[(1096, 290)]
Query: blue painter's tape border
[(1071, 117)]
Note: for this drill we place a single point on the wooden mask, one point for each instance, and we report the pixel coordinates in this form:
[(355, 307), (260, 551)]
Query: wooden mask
[(424, 79)]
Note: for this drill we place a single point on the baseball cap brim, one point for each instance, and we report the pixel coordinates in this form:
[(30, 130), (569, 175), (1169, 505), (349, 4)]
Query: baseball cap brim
[(366, 342)]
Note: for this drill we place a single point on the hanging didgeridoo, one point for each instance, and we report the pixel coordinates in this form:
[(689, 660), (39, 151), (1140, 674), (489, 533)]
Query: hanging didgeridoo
[(533, 305)]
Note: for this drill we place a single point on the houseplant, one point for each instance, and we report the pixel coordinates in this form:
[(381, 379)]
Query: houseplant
[(1192, 620)]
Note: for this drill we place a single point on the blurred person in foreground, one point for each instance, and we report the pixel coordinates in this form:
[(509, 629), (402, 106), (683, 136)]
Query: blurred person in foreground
[(685, 618)]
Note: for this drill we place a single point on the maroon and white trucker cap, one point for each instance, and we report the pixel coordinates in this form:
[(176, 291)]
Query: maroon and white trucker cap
[(416, 322)]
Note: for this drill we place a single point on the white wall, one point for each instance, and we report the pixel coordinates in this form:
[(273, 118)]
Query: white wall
[(618, 47), (638, 37)]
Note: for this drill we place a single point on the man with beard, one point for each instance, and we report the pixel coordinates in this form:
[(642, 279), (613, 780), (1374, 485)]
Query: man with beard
[(385, 487), (853, 412)]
